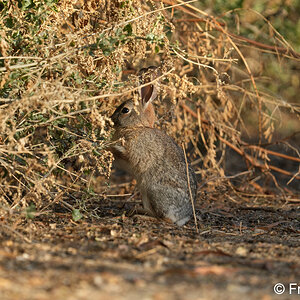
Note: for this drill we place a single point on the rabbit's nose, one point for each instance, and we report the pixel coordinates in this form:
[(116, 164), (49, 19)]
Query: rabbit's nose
[(114, 118)]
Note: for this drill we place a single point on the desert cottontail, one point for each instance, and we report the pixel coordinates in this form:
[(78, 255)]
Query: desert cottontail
[(152, 157)]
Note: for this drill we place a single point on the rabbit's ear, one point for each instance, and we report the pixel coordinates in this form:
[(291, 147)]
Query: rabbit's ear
[(149, 92)]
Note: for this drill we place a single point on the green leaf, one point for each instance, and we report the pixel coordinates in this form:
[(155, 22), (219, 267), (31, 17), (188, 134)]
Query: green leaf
[(9, 22), (76, 215), (30, 211), (26, 4), (128, 29), (150, 37), (119, 31)]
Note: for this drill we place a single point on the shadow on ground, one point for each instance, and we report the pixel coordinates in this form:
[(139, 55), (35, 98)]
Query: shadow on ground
[(240, 252)]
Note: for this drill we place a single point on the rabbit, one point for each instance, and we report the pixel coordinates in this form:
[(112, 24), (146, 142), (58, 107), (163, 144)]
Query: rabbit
[(153, 158)]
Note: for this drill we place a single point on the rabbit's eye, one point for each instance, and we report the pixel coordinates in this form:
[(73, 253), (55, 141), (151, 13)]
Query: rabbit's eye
[(125, 110)]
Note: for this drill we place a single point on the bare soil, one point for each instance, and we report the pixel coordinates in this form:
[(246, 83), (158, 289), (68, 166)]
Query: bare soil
[(240, 252)]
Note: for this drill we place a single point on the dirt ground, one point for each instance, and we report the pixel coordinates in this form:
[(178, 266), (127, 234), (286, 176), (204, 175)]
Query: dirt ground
[(241, 251)]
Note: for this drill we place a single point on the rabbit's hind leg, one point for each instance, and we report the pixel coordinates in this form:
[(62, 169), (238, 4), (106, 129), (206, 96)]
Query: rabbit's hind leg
[(145, 210), (147, 204)]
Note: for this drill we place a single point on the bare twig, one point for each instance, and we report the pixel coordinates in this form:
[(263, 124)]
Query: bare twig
[(251, 159), (189, 185), (22, 236)]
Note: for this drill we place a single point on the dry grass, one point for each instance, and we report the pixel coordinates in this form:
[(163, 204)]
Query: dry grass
[(65, 68)]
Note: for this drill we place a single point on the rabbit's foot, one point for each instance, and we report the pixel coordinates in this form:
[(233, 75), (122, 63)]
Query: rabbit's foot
[(145, 214), (138, 210), (146, 218)]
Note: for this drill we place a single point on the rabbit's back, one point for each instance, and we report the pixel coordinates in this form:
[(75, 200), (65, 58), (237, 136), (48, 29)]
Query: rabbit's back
[(150, 148), (159, 166)]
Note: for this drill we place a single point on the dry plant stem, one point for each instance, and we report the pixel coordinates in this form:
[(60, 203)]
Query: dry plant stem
[(189, 185), (220, 28), (248, 157), (117, 195), (293, 200), (252, 80), (295, 176), (258, 96), (283, 41), (224, 177), (146, 253), (171, 3), (16, 233), (280, 50), (116, 94), (234, 60), (71, 67), (267, 99), (194, 62), (152, 12), (196, 19), (200, 129), (107, 29), (257, 187), (254, 162), (274, 49), (274, 153)]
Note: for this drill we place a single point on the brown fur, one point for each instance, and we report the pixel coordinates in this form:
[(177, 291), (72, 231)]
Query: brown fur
[(154, 159)]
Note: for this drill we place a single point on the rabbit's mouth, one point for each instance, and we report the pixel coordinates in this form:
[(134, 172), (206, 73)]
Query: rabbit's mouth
[(114, 119)]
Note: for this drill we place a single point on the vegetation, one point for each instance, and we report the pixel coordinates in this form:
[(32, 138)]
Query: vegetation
[(229, 92)]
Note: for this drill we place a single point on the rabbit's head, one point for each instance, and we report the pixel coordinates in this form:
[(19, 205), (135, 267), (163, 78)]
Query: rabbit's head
[(130, 115)]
